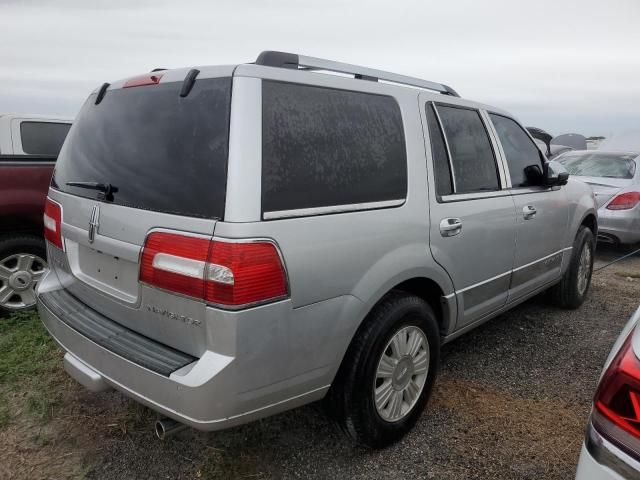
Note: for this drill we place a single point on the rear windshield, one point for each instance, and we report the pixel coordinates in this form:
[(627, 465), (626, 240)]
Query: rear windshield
[(607, 165), (157, 150)]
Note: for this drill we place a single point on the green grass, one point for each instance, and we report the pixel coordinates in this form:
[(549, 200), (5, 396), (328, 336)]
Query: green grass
[(26, 349), (30, 367)]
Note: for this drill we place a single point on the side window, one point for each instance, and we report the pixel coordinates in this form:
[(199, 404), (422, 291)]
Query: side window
[(519, 149), (327, 147), (442, 171), (43, 138), (474, 164)]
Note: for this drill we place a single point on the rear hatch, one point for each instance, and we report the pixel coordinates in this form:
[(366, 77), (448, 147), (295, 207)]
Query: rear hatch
[(141, 159)]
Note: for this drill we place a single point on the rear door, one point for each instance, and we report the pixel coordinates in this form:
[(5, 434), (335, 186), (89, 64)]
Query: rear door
[(472, 233), (163, 158), (541, 212)]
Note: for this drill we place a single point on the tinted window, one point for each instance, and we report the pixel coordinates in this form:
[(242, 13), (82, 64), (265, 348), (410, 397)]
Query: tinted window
[(43, 138), (520, 150), (324, 147), (474, 164), (595, 164), (441, 166), (161, 151)]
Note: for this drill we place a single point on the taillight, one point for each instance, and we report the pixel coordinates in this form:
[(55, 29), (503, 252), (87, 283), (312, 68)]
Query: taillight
[(52, 223), (147, 79), (242, 273), (616, 413), (624, 201), (175, 263), (229, 273)]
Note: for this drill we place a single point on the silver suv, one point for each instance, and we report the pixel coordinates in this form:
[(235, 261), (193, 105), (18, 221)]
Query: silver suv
[(229, 242)]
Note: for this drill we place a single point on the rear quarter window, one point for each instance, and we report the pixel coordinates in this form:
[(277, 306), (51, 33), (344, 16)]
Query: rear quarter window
[(325, 147), (43, 138)]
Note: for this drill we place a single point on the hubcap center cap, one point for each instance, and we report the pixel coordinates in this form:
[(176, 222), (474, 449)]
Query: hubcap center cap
[(20, 281), (402, 373)]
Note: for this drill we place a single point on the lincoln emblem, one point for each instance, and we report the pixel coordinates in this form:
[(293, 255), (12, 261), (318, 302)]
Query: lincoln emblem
[(94, 223)]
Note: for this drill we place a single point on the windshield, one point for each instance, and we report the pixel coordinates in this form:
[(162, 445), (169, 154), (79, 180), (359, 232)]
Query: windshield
[(597, 164), (153, 149)]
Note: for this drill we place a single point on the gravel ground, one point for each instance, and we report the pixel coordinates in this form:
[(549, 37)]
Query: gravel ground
[(511, 402)]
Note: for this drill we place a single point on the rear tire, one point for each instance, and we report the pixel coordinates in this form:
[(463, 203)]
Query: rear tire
[(572, 290), (22, 265), (387, 375)]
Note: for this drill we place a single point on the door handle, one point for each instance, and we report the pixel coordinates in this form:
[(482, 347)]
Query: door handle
[(529, 212), (450, 227)]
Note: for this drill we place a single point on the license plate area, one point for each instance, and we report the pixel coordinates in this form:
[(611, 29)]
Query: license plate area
[(108, 273)]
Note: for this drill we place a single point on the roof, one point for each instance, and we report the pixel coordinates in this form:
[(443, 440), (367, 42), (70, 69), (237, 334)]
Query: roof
[(270, 61), (35, 116)]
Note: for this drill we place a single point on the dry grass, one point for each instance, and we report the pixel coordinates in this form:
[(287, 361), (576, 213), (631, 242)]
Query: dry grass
[(50, 426), (546, 434)]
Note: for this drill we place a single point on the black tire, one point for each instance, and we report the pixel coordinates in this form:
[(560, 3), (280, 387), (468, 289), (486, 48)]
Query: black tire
[(566, 294), (13, 245), (351, 398)]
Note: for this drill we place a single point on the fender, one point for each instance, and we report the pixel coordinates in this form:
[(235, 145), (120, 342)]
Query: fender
[(582, 203)]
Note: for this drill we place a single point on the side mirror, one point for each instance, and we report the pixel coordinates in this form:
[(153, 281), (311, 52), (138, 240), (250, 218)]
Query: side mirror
[(554, 174), (534, 175)]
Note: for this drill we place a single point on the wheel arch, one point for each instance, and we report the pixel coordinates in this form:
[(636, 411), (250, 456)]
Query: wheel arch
[(17, 226), (590, 220), (419, 284)]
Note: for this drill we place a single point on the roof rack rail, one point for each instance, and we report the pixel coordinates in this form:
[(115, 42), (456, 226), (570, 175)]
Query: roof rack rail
[(294, 61)]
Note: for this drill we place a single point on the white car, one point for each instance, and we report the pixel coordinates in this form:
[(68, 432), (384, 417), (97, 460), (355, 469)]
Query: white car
[(611, 449)]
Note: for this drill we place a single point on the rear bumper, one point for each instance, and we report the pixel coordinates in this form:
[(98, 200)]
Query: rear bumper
[(601, 460), (619, 226), (207, 394)]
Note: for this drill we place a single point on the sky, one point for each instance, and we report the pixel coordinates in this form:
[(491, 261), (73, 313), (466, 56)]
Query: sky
[(562, 65)]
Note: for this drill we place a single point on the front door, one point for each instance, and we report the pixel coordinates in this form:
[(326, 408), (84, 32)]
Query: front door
[(472, 233), (541, 212)]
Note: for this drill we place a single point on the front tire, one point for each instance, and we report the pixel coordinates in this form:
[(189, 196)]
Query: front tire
[(388, 372), (572, 290)]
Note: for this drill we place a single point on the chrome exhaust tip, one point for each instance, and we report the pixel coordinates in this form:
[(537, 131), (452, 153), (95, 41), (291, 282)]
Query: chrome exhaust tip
[(166, 427)]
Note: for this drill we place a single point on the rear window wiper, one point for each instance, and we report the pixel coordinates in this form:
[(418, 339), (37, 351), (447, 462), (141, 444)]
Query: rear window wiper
[(105, 188)]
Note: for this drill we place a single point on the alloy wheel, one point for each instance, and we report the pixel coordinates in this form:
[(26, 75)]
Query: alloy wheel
[(19, 275)]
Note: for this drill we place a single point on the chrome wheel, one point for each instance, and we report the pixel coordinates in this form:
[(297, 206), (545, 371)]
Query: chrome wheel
[(19, 275), (401, 374), (584, 268)]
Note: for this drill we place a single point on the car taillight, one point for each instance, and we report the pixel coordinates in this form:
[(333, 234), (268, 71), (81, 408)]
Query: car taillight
[(242, 273), (616, 412), (231, 274), (624, 201), (52, 223)]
